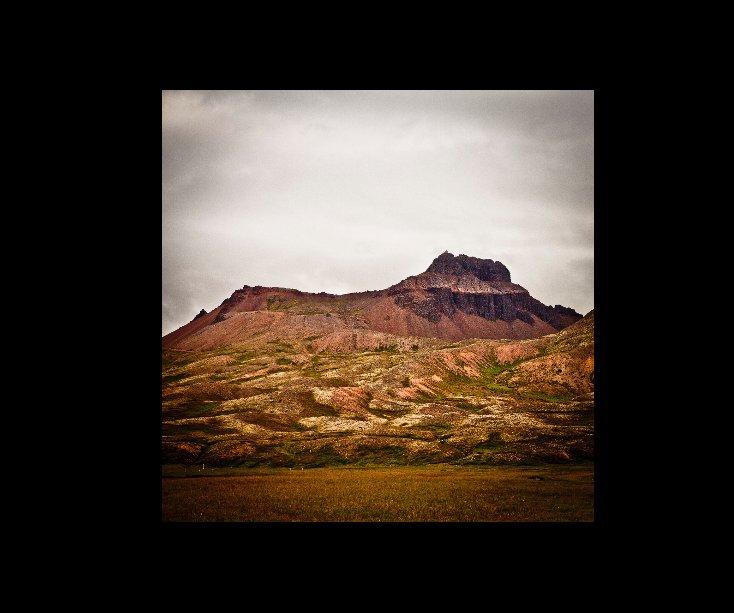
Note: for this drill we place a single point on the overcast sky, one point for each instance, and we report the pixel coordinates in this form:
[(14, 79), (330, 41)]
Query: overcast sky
[(343, 191)]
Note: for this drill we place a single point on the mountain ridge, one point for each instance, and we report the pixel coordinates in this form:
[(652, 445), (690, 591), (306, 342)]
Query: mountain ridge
[(456, 298)]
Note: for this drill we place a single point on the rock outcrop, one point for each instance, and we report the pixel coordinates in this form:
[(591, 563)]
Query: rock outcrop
[(486, 270), (474, 286)]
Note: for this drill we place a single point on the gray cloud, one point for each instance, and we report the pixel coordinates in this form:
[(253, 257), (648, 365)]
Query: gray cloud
[(349, 191)]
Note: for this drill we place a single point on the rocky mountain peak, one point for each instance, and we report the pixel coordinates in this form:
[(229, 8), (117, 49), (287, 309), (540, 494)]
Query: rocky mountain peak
[(486, 270), (457, 298)]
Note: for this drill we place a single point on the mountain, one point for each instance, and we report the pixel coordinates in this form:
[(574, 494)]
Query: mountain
[(456, 298), (278, 377)]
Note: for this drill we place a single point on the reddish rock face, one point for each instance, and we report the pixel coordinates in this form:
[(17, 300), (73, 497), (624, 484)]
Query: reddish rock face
[(475, 287), (457, 298)]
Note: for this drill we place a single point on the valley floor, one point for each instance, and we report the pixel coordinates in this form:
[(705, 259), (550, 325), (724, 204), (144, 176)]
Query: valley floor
[(432, 493)]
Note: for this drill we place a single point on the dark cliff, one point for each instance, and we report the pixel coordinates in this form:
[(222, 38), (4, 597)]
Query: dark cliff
[(497, 299), (486, 270)]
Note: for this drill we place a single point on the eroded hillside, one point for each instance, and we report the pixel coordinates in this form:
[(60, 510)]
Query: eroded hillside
[(320, 393)]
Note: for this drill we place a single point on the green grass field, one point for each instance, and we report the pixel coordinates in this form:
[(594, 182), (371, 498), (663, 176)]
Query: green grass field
[(439, 493)]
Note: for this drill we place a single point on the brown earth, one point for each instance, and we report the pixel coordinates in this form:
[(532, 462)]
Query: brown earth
[(397, 494)]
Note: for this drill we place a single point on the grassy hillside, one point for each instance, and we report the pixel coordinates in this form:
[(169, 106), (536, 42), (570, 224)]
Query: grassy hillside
[(298, 402)]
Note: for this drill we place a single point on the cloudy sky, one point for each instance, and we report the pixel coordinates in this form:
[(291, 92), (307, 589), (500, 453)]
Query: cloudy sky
[(343, 191)]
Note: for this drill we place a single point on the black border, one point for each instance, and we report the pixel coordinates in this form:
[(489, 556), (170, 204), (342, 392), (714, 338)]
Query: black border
[(604, 122)]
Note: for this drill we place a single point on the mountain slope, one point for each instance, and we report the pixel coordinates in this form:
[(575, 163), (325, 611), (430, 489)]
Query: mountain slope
[(288, 403)]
